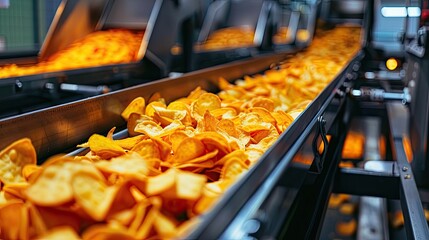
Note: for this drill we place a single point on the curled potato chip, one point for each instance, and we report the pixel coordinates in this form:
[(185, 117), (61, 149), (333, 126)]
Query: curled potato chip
[(13, 158), (214, 140), (52, 187), (105, 232), (346, 228), (14, 221), (205, 102), (60, 233), (188, 149), (133, 120), (165, 226), (150, 111), (104, 147), (233, 168), (136, 106), (16, 189), (93, 194), (129, 142), (130, 165), (176, 183), (147, 149)]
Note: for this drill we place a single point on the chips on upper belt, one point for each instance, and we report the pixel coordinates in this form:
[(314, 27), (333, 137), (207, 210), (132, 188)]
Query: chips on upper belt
[(13, 158)]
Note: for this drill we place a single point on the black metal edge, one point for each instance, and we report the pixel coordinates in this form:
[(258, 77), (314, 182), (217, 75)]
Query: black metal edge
[(415, 222), (57, 129), (356, 181), (235, 197)]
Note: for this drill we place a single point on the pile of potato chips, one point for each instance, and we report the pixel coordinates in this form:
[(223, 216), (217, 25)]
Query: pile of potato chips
[(231, 37), (176, 163), (95, 49)]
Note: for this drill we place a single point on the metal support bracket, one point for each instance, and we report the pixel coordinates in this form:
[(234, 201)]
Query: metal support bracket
[(320, 157)]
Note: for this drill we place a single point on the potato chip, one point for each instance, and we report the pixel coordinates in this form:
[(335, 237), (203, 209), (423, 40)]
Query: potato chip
[(233, 168), (224, 113), (104, 147), (14, 221), (136, 106), (214, 140), (130, 165), (52, 187), (31, 171), (93, 195), (207, 123), (188, 149), (129, 142), (60, 233), (147, 149), (13, 158), (56, 217), (205, 102), (133, 120), (152, 130), (196, 93), (181, 184), (165, 226), (16, 189), (106, 232), (251, 122), (167, 116), (150, 111)]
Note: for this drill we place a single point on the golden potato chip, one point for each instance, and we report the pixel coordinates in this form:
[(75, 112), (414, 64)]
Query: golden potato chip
[(106, 232), (166, 116), (205, 102), (104, 147), (181, 184), (176, 138), (93, 194), (56, 217), (129, 142), (16, 189), (147, 149), (14, 221), (136, 106), (214, 140), (140, 211), (13, 158), (207, 123), (200, 162), (52, 187), (130, 165), (188, 149), (251, 122), (30, 171), (161, 183), (164, 148), (123, 217), (262, 102), (346, 228), (233, 168), (165, 226), (133, 120), (152, 129), (60, 233), (235, 154), (224, 113), (37, 224), (189, 185), (196, 93), (150, 111)]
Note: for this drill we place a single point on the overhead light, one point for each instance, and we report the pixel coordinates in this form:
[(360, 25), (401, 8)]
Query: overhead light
[(400, 11)]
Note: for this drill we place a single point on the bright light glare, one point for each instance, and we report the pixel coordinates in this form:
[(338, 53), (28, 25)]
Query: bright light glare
[(391, 64), (400, 11)]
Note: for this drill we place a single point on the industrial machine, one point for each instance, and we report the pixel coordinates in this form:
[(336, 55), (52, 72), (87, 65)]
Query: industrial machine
[(381, 94)]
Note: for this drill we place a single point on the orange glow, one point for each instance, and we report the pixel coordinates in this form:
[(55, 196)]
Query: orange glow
[(391, 64)]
